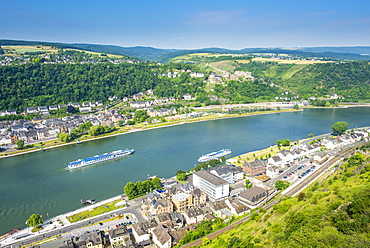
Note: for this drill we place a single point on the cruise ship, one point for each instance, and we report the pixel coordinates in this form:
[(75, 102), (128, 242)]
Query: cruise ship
[(99, 158), (214, 155)]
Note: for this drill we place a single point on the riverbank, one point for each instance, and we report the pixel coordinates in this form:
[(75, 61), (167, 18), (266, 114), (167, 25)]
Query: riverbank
[(141, 127)]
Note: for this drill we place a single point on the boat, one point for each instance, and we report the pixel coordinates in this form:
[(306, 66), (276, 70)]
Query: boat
[(99, 158), (214, 155), (89, 201)]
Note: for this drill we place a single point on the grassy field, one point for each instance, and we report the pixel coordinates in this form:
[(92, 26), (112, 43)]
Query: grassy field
[(94, 212), (16, 50), (287, 61), (24, 49)]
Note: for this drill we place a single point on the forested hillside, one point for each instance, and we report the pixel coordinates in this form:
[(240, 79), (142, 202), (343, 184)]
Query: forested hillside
[(334, 212), (351, 80), (348, 79), (37, 84)]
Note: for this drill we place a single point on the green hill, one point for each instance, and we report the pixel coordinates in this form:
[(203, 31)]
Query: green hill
[(334, 212)]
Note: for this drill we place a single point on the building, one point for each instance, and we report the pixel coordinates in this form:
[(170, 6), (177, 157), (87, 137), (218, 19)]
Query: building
[(193, 216), (160, 237), (227, 172), (253, 196), (119, 236), (254, 168), (182, 201), (142, 230), (213, 186)]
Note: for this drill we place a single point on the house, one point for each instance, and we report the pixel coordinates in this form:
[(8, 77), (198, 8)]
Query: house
[(119, 235), (176, 235), (142, 230), (253, 197), (218, 208), (182, 201), (160, 205), (187, 97), (88, 239), (53, 107), (164, 219), (31, 110), (10, 112), (75, 104), (160, 237), (274, 161), (193, 216), (213, 186), (85, 109), (236, 207), (152, 112), (227, 172), (199, 197), (138, 96), (273, 171), (99, 103), (286, 156), (177, 219), (196, 74), (320, 157), (254, 168)]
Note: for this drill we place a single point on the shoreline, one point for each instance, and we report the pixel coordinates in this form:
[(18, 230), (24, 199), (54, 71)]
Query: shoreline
[(139, 129), (180, 122)]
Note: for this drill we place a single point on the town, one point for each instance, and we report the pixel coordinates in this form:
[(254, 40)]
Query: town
[(165, 216)]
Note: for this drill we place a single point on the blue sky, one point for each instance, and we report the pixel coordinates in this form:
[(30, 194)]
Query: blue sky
[(233, 24)]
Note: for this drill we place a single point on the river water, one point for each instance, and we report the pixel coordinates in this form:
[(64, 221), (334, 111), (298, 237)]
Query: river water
[(40, 182)]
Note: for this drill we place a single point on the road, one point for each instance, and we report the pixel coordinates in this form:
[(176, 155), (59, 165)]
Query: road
[(75, 228)]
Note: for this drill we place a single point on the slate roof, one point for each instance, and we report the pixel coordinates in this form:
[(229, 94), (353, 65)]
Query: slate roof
[(161, 234), (252, 192), (211, 178)]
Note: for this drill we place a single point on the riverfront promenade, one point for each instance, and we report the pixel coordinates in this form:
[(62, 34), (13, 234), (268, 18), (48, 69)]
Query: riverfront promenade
[(59, 227)]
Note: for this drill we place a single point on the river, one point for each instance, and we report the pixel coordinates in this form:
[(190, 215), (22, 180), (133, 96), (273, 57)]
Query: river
[(40, 182)]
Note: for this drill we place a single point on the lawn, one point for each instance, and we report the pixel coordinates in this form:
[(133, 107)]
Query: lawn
[(94, 212)]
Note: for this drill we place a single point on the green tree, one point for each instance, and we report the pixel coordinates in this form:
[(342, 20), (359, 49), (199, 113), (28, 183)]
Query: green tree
[(120, 123), (278, 142), (64, 137), (281, 185), (181, 176), (285, 142), (339, 127), (156, 182), (34, 220), (311, 135), (130, 190), (20, 144)]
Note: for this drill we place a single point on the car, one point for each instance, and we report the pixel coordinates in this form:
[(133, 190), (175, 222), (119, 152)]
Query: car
[(101, 224), (117, 226), (280, 171), (285, 177)]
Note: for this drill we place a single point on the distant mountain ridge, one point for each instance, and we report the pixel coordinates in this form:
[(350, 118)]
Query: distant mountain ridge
[(163, 55)]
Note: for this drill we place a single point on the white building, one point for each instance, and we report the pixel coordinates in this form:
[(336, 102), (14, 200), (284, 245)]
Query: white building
[(213, 186)]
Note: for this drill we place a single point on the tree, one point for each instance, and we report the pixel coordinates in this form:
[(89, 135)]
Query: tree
[(156, 182), (120, 123), (20, 144), (285, 142), (339, 127), (248, 184), (311, 135), (181, 176), (34, 220), (281, 185), (64, 137), (130, 190), (278, 142)]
